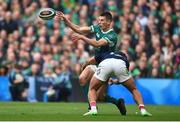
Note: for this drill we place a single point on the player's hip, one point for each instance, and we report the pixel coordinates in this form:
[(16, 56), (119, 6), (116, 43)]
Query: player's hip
[(113, 64)]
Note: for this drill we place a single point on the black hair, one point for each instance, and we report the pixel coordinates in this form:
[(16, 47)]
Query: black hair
[(108, 15)]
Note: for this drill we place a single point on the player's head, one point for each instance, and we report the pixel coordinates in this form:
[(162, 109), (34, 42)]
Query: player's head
[(105, 20)]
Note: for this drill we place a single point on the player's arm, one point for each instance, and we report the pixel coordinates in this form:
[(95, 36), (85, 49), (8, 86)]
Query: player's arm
[(92, 42), (91, 61), (78, 29)]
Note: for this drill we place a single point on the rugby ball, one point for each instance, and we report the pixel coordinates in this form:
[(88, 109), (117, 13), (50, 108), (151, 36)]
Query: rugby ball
[(47, 13)]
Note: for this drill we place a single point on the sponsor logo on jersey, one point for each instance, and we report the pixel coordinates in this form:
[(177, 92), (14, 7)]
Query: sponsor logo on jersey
[(97, 34)]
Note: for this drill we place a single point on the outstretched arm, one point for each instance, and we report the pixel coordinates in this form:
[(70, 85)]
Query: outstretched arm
[(74, 27), (92, 42)]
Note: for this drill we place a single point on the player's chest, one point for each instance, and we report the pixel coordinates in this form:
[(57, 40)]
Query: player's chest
[(99, 35)]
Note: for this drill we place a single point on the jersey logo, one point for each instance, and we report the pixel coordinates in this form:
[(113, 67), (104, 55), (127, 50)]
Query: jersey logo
[(97, 34), (110, 36)]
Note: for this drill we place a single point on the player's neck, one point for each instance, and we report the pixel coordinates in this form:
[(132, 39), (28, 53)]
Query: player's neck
[(106, 29)]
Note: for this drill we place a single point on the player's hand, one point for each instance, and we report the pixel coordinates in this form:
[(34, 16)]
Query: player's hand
[(113, 81), (60, 16), (75, 37)]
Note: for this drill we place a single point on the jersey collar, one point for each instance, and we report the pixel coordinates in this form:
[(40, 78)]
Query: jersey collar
[(107, 31)]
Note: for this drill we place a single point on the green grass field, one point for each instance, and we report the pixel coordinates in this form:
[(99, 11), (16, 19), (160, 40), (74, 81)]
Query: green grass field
[(73, 112)]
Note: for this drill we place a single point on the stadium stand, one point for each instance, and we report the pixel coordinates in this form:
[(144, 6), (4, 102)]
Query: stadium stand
[(148, 32)]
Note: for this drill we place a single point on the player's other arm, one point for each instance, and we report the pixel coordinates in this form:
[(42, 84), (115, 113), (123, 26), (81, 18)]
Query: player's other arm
[(91, 61), (78, 29), (92, 42)]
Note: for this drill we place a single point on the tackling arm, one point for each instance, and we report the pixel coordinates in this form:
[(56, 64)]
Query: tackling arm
[(90, 61)]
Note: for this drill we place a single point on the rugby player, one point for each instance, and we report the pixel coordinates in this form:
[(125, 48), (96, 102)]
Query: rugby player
[(110, 65), (105, 41)]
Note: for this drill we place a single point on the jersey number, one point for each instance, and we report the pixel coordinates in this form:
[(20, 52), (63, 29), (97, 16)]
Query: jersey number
[(98, 71)]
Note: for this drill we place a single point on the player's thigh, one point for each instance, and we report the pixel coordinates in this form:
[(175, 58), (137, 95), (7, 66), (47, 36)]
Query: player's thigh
[(120, 70), (104, 70), (101, 91), (129, 84), (95, 83), (86, 75)]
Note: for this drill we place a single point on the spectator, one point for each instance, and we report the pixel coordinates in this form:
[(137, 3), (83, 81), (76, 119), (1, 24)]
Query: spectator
[(142, 66), (168, 72), (19, 85), (61, 89), (176, 62), (3, 70), (35, 70), (154, 73), (9, 25), (150, 28)]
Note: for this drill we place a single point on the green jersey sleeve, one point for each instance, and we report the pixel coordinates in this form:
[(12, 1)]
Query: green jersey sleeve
[(94, 28)]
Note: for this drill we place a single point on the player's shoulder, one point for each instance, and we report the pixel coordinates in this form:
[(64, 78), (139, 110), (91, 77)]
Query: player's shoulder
[(94, 27), (112, 34)]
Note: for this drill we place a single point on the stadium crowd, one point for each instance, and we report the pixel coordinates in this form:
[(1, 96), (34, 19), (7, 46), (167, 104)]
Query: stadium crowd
[(148, 32)]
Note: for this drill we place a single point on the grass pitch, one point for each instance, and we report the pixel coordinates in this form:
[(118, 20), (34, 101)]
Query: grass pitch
[(20, 111)]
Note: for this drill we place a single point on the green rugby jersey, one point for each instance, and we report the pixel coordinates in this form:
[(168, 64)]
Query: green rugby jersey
[(109, 35)]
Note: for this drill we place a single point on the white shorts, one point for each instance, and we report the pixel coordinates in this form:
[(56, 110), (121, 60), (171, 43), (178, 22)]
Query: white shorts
[(93, 67), (112, 67)]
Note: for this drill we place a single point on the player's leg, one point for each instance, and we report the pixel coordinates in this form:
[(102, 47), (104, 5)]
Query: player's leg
[(100, 76), (95, 84), (105, 70), (101, 92), (85, 78), (86, 75), (130, 85), (103, 96), (125, 78)]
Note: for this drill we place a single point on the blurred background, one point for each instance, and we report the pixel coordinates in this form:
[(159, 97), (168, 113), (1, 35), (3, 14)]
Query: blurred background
[(39, 61)]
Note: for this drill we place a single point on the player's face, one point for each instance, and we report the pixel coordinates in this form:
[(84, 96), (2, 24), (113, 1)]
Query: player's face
[(103, 23)]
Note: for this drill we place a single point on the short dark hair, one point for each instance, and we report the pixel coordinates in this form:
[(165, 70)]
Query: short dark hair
[(108, 15)]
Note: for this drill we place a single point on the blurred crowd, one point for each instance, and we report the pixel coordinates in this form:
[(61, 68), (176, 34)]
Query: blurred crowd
[(148, 32)]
